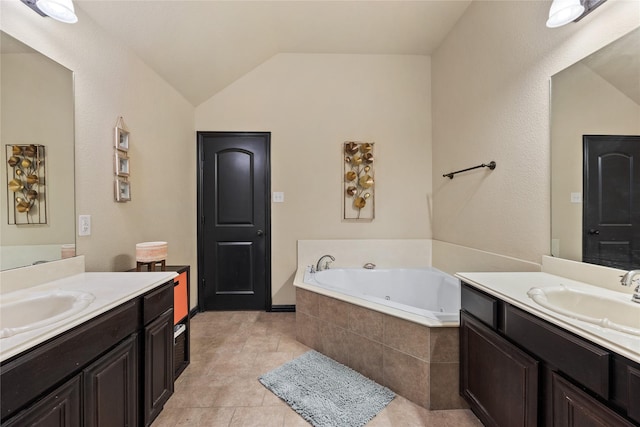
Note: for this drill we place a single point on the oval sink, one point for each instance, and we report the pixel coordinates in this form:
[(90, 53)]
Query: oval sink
[(619, 315), (36, 309)]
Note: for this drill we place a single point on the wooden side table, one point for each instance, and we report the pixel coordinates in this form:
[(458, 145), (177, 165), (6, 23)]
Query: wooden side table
[(181, 312), (151, 266)]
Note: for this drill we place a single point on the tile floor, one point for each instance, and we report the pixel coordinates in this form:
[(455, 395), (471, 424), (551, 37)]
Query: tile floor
[(230, 350)]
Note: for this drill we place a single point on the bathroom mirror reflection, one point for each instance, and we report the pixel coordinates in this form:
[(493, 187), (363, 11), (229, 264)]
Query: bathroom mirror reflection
[(36, 101), (595, 100)]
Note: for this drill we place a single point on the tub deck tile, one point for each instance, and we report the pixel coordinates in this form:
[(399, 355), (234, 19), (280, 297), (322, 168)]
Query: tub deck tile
[(334, 311), (367, 323), (407, 376), (407, 337), (366, 357)]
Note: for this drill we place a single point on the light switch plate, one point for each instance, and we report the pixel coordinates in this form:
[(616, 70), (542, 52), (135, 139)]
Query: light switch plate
[(84, 225), (278, 197), (576, 197)]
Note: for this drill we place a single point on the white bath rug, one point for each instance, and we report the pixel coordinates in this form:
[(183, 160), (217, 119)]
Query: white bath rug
[(327, 393)]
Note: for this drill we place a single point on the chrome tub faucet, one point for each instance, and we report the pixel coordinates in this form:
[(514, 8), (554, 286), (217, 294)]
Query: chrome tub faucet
[(320, 267), (628, 280)]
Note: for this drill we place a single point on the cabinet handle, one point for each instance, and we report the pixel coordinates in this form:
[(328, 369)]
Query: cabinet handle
[(260, 233)]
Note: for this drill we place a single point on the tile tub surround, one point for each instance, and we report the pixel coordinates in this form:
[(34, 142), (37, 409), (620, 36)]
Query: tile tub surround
[(417, 362)]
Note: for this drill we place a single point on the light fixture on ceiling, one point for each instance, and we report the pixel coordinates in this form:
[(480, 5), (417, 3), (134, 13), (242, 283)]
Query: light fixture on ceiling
[(564, 11), (60, 10)]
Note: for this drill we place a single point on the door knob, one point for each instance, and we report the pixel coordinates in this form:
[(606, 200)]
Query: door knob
[(593, 231), (260, 233)]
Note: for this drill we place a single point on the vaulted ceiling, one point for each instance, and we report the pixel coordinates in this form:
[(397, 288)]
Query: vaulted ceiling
[(200, 47), (619, 64)]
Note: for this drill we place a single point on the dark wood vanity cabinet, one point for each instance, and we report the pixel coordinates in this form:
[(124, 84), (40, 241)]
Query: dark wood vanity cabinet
[(101, 373), (60, 408), (572, 407), (519, 370), (490, 363), (111, 387), (158, 365)]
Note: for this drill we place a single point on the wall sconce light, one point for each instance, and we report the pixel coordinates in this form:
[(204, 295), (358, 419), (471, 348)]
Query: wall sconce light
[(564, 11), (60, 10)]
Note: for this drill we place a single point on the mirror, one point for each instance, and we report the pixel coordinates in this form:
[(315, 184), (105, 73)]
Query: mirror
[(37, 110), (599, 95)]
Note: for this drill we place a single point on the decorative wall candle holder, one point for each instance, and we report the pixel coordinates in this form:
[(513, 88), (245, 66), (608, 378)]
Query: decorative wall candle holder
[(358, 177), (26, 198), (121, 169)]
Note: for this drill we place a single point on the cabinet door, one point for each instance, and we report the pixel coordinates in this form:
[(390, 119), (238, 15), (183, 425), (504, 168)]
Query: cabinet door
[(111, 387), (499, 381), (158, 368), (573, 407), (62, 408)]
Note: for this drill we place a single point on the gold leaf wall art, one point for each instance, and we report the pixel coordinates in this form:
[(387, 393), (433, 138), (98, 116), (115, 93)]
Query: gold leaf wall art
[(359, 182), (26, 198)]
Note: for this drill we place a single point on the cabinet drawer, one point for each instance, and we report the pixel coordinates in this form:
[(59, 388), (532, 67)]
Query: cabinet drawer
[(483, 306), (157, 302), (584, 362)]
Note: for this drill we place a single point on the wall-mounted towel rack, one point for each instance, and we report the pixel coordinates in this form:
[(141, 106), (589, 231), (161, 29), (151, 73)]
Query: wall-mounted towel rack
[(491, 165)]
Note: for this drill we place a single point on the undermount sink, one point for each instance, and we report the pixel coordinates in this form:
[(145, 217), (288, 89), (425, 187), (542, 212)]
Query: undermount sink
[(32, 310), (611, 313)]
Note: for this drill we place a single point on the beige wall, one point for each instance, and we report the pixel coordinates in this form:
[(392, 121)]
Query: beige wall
[(583, 103), (491, 102), (111, 81), (311, 104)]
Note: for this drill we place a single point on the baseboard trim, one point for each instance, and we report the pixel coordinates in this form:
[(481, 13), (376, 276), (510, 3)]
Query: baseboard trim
[(283, 308), (195, 310)]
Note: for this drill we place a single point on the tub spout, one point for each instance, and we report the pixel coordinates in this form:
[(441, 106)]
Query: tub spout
[(369, 266), (320, 267)]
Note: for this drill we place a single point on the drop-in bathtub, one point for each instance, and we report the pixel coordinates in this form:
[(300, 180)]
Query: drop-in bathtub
[(398, 327), (425, 292)]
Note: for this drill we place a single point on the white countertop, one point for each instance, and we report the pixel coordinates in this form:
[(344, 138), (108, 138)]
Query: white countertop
[(513, 287), (109, 289)]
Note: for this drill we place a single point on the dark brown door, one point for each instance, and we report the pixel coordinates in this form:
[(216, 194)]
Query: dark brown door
[(611, 208), (234, 221)]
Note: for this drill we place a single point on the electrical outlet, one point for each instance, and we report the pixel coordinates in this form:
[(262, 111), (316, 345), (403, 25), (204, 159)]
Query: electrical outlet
[(84, 225)]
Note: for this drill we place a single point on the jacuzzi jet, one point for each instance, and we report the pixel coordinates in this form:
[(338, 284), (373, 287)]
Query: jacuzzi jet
[(388, 298)]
